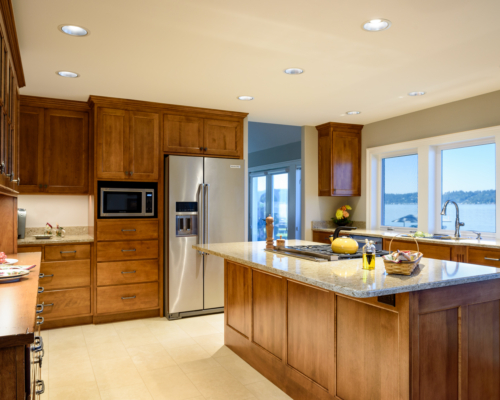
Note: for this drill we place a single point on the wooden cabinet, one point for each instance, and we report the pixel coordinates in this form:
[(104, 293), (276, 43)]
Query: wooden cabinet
[(127, 229), (54, 146), (127, 144), (484, 256), (127, 297), (339, 159), (198, 136)]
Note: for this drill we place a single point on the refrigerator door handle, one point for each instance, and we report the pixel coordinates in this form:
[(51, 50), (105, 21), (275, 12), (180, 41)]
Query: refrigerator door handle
[(205, 211), (201, 217)]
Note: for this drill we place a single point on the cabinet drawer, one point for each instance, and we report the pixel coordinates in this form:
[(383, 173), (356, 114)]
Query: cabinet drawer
[(67, 252), (127, 250), (29, 249), (131, 229), (65, 303), (322, 237), (122, 272), (127, 297), (484, 256), (65, 274)]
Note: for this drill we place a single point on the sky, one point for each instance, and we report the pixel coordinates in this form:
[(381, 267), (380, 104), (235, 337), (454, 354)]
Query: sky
[(467, 169)]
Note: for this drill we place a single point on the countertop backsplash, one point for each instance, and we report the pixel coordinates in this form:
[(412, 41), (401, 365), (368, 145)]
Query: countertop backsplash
[(332, 225)]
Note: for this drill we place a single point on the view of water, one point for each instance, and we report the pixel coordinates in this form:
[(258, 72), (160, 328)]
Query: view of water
[(477, 217)]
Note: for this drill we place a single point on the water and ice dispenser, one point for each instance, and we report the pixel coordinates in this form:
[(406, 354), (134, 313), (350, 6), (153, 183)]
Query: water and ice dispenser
[(186, 220)]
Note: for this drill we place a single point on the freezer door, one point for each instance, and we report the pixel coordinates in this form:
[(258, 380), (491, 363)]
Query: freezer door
[(225, 218), (183, 266)]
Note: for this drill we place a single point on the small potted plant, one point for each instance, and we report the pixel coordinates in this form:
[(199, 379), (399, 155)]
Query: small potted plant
[(342, 216)]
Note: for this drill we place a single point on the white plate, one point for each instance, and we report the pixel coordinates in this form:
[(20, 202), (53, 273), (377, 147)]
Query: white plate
[(11, 279), (9, 261), (13, 273)]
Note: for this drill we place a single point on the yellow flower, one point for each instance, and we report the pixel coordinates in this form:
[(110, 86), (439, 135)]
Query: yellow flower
[(339, 214), (348, 207)]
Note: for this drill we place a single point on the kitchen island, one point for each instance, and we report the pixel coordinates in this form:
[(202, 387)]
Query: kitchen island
[(332, 330)]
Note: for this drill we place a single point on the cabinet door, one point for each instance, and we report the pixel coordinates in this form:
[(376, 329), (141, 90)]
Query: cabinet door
[(144, 145), (112, 144), (223, 138), (66, 152), (346, 159), (324, 163), (31, 149), (182, 134)]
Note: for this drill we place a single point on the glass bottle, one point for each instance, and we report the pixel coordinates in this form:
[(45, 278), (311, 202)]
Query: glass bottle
[(369, 255)]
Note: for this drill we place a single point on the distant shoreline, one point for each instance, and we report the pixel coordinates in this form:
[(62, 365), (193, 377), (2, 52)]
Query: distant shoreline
[(476, 197)]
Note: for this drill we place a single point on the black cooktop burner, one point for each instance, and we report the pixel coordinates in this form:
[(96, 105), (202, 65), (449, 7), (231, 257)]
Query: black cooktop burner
[(326, 250)]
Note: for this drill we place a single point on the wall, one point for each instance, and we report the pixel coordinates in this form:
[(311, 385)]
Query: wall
[(314, 207), (472, 113), (287, 152), (62, 210), (245, 159), (265, 136)]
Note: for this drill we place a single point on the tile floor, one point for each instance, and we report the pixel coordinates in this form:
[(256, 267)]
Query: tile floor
[(149, 359)]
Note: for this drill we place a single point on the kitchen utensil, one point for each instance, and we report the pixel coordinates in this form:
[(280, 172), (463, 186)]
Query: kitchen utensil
[(343, 245)]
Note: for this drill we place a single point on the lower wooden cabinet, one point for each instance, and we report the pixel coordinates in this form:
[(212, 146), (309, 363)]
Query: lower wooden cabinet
[(65, 303), (437, 251), (67, 252), (112, 299), (125, 272), (127, 250), (483, 256), (65, 274)]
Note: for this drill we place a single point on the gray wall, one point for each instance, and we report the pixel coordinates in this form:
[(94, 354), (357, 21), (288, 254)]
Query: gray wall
[(287, 152), (464, 115)]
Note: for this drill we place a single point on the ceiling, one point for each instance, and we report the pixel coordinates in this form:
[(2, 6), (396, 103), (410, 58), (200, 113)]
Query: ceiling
[(206, 53)]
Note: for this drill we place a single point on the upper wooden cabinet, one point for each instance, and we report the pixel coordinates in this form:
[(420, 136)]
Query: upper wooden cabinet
[(223, 138), (182, 134), (127, 144), (339, 159), (54, 146)]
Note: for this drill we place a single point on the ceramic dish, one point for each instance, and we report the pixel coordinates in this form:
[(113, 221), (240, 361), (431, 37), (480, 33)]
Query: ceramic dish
[(42, 236), (9, 261), (12, 273), (20, 267), (11, 279)]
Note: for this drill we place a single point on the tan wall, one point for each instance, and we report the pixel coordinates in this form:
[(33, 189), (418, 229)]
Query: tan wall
[(472, 113)]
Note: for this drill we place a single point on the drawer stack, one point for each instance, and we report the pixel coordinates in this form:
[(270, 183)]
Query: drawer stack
[(127, 266)]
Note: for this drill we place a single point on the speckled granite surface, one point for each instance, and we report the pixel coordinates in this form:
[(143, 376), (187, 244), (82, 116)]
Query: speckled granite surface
[(74, 234), (347, 277), (492, 243)]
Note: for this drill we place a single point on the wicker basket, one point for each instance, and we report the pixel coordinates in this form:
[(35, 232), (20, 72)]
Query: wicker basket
[(402, 267)]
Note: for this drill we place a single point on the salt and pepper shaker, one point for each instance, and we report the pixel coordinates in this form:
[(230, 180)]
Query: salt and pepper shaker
[(269, 230), (280, 242)]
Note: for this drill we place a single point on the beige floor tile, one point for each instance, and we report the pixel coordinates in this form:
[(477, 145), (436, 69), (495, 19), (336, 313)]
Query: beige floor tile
[(169, 384), (133, 392), (71, 342), (84, 377), (196, 327), (64, 367), (137, 336), (242, 371), (176, 340), (66, 355), (213, 344), (265, 390), (214, 317), (217, 383), (219, 326), (111, 337), (90, 331), (74, 393), (116, 373), (107, 351), (150, 357), (119, 326), (188, 353), (198, 365)]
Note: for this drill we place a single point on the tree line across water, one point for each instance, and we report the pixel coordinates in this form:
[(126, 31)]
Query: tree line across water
[(461, 197)]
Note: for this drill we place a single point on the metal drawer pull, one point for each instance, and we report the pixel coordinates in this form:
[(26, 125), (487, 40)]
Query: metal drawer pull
[(72, 251), (129, 250), (127, 298), (41, 289), (492, 259), (49, 305), (128, 230), (38, 345), (39, 382), (39, 320), (128, 272), (42, 275), (38, 311)]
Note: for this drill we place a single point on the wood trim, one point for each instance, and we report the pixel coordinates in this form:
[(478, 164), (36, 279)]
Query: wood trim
[(137, 105), (340, 127), (115, 317), (47, 102), (65, 322), (11, 33)]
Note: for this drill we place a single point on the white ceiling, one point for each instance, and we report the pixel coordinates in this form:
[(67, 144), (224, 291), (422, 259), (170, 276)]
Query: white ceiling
[(205, 53)]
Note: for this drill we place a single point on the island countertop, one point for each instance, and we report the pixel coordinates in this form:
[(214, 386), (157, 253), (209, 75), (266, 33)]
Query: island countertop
[(347, 277)]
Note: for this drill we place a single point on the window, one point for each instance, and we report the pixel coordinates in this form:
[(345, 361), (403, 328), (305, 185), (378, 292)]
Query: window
[(400, 191), (468, 178)]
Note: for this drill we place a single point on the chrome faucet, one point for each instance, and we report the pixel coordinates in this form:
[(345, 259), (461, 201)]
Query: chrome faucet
[(458, 224)]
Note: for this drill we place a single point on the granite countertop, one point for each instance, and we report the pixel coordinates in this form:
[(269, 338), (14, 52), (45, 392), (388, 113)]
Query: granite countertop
[(347, 277), (491, 243), (31, 240)]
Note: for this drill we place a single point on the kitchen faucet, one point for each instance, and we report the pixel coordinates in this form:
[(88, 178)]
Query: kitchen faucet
[(458, 224)]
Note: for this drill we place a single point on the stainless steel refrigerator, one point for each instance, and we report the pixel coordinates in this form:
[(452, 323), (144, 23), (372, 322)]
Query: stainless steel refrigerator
[(204, 203)]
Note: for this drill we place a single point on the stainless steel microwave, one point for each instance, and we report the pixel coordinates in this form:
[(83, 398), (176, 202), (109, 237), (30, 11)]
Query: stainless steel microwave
[(124, 203)]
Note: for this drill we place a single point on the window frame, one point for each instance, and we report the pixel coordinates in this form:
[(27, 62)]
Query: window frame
[(429, 177)]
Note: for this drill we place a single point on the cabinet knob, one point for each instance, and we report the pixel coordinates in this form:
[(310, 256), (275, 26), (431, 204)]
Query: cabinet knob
[(201, 148), (2, 166), (46, 186), (40, 186), (126, 172), (16, 181), (131, 173), (206, 148)]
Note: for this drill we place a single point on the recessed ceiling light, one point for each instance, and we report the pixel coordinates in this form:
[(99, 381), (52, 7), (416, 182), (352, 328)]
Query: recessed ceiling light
[(353, 112), (68, 74), (376, 25), (416, 93), (294, 71), (245, 98), (73, 30)]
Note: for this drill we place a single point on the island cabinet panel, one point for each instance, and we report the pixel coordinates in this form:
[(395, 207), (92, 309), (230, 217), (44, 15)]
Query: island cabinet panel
[(437, 251), (268, 312), (239, 301), (309, 336), (438, 351), (182, 134), (367, 344)]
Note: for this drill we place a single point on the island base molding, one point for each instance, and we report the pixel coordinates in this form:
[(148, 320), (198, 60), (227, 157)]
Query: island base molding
[(313, 343)]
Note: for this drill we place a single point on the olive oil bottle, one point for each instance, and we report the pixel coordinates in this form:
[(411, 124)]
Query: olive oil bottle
[(369, 255)]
